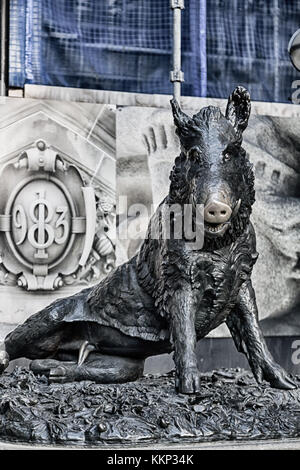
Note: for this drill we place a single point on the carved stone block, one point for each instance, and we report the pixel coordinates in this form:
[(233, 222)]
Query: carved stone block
[(57, 202)]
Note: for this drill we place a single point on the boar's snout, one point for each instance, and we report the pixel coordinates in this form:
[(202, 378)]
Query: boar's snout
[(216, 212)]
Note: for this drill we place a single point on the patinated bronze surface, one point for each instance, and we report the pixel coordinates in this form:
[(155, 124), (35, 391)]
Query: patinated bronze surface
[(230, 406), (168, 296)]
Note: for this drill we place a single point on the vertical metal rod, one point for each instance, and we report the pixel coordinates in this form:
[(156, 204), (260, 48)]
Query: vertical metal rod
[(176, 75), (4, 47), (177, 50)]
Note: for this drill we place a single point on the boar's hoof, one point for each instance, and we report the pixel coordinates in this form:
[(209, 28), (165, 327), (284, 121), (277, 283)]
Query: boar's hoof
[(278, 378), (59, 375), (188, 381)]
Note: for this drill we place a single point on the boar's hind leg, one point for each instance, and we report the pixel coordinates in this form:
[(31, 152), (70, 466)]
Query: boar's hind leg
[(248, 338), (42, 333), (98, 368)]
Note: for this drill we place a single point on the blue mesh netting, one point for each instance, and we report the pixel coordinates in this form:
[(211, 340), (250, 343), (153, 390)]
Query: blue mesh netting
[(109, 44), (247, 43), (126, 45)]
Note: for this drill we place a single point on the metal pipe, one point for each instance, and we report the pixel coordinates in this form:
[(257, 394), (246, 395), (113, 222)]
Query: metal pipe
[(176, 75), (4, 44)]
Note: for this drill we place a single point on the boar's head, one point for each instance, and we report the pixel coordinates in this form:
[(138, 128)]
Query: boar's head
[(213, 168)]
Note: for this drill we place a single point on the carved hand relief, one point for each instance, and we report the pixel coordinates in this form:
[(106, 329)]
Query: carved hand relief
[(54, 229)]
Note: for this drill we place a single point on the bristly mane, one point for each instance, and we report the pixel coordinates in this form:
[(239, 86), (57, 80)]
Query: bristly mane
[(208, 114), (191, 127)]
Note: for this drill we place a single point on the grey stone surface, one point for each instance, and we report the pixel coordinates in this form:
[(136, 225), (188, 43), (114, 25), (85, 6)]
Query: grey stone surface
[(146, 100), (85, 131), (83, 135)]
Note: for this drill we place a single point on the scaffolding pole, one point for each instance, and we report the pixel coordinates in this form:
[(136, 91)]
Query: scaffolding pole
[(4, 47), (176, 75)]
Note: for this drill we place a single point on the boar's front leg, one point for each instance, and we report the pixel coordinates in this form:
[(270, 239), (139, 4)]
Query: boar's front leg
[(182, 317), (248, 338)]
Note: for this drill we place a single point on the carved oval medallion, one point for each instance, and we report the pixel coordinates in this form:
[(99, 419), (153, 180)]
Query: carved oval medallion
[(40, 222)]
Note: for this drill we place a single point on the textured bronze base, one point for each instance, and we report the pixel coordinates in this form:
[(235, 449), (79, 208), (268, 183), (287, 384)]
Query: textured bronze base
[(230, 406)]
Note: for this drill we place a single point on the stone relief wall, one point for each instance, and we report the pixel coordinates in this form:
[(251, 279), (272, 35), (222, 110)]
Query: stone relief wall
[(57, 202), (147, 147), (57, 157)]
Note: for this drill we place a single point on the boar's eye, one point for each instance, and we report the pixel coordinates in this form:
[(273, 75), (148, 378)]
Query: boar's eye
[(231, 151), (226, 157), (194, 154)]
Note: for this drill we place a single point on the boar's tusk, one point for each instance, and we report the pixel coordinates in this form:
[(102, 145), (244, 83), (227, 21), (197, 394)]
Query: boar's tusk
[(236, 208), (84, 351)]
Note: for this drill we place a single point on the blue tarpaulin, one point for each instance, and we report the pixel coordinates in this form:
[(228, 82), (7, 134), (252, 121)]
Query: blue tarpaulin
[(126, 45)]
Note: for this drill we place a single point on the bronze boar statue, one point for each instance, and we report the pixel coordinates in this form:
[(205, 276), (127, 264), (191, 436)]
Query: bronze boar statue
[(169, 295)]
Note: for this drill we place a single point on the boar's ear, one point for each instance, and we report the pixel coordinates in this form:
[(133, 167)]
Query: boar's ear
[(181, 120), (238, 109)]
